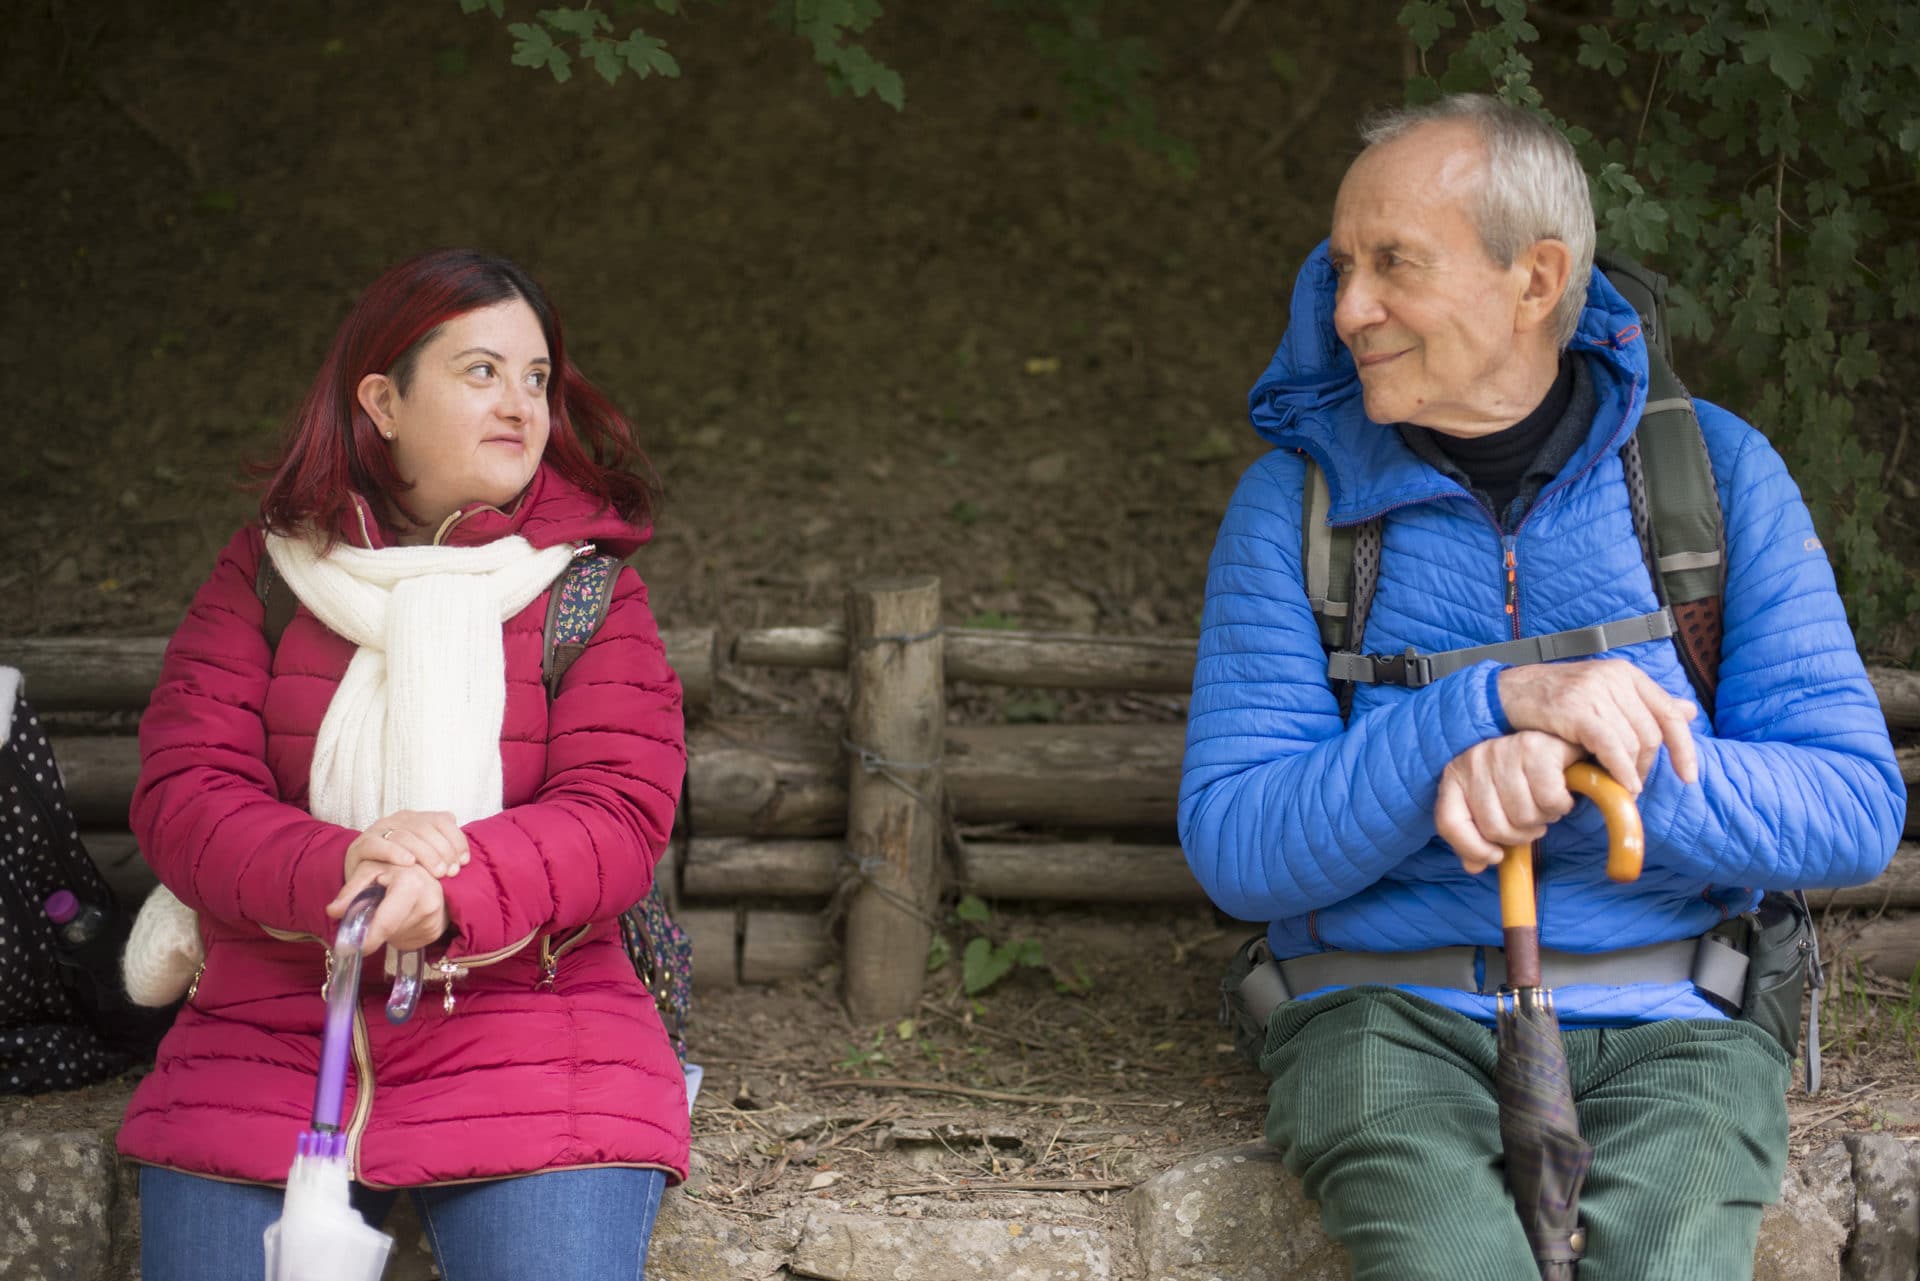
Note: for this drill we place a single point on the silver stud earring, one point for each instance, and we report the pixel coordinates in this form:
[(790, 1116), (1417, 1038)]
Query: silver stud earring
[(389, 435)]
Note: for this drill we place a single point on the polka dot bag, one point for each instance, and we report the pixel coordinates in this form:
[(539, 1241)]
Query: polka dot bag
[(46, 1042)]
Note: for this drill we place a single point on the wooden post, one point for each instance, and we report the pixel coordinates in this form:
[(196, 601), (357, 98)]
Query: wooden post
[(896, 731)]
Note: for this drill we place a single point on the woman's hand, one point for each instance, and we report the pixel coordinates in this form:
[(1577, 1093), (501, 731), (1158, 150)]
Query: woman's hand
[(1504, 791), (428, 839), (413, 915)]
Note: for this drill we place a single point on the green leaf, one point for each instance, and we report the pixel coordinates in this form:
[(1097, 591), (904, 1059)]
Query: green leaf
[(982, 965), (964, 512), (1031, 709), (605, 56), (1283, 64), (496, 7), (1027, 952), (1834, 242), (1079, 983), (973, 910), (939, 952), (648, 56), (1785, 52), (667, 6), (993, 618), (862, 74), (578, 23), (1857, 361), (532, 44), (1599, 49), (1425, 20)]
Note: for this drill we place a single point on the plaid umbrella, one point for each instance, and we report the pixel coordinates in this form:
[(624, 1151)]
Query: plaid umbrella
[(1546, 1159)]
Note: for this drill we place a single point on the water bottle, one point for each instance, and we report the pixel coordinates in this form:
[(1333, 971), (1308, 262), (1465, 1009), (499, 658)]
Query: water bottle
[(88, 946), (77, 923), (87, 940)]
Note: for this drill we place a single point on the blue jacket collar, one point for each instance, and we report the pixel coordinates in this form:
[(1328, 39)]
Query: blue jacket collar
[(1309, 399)]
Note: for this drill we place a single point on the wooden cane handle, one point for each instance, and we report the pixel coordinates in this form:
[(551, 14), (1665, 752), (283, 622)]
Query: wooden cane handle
[(1516, 888), (1626, 841), (1626, 844)]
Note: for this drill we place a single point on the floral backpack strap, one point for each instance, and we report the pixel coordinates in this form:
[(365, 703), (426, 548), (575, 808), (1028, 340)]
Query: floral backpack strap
[(662, 955), (575, 608), (661, 952)]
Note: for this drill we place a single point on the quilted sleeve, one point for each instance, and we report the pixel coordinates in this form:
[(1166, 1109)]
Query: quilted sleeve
[(206, 809), (584, 848), (1799, 787), (1281, 810)]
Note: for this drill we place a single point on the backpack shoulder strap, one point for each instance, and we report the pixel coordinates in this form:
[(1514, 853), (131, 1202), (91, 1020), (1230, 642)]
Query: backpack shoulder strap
[(576, 605), (1340, 565), (1671, 490), (276, 598)]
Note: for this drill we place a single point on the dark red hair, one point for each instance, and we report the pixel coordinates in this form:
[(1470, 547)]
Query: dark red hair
[(332, 450)]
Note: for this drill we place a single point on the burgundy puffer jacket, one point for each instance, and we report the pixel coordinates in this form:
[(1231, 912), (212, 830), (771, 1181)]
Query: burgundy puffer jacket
[(553, 1055)]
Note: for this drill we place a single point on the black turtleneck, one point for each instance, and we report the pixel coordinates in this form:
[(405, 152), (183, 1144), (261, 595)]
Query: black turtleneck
[(1501, 466)]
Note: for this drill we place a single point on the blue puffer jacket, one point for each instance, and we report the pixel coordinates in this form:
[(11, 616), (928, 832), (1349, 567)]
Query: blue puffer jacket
[(1329, 835)]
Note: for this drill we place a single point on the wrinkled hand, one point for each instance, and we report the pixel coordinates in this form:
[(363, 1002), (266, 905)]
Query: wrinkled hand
[(431, 839), (1504, 791), (412, 916), (1611, 709)]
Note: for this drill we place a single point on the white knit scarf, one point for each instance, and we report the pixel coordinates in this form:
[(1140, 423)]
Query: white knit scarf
[(415, 722)]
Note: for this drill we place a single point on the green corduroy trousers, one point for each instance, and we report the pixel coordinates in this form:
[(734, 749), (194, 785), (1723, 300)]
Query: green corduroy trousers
[(1384, 1105)]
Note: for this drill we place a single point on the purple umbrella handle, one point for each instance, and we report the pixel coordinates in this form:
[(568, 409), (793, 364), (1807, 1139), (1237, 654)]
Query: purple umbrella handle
[(343, 994), (407, 977)]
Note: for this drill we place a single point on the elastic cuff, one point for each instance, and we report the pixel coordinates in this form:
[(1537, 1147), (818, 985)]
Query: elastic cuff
[(1494, 708)]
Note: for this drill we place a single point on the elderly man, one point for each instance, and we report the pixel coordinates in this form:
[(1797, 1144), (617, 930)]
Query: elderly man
[(1455, 366)]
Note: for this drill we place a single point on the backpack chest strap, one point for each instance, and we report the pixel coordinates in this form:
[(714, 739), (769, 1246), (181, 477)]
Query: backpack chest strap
[(1414, 670)]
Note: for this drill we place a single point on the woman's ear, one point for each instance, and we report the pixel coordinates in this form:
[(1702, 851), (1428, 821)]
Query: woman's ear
[(376, 394), (1549, 264)]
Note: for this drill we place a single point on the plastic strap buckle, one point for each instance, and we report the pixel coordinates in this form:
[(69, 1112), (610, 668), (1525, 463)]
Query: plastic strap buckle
[(1411, 669)]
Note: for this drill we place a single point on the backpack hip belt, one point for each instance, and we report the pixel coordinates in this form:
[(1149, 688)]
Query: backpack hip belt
[(1711, 962)]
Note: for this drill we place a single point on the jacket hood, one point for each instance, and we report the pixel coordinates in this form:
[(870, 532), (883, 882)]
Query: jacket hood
[(550, 510), (1309, 397)]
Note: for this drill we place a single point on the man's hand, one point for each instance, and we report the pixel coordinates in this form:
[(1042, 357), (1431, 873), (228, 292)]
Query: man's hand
[(1610, 708), (413, 915), (430, 839), (1504, 791)]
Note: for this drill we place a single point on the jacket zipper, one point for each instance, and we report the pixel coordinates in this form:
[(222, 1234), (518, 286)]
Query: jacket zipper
[(363, 1093), (1510, 559), (457, 967), (550, 957)]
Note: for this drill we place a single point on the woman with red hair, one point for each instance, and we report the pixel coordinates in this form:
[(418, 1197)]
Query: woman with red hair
[(447, 465)]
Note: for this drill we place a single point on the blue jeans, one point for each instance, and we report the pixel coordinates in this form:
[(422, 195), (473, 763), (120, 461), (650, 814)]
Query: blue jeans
[(564, 1225)]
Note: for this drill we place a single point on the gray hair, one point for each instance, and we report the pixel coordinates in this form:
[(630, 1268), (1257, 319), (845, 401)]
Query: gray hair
[(1535, 188)]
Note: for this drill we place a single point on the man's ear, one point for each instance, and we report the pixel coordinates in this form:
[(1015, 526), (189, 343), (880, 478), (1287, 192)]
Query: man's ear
[(1548, 265), (376, 394)]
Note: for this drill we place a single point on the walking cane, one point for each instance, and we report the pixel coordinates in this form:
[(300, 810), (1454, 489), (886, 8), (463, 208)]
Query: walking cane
[(1546, 1158)]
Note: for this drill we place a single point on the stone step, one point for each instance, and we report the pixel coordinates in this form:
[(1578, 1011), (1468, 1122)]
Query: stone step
[(69, 1211)]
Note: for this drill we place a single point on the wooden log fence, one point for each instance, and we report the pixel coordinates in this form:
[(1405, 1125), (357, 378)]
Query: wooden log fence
[(779, 812)]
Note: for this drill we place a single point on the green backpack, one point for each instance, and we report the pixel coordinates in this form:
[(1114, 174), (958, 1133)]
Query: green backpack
[(1676, 514)]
